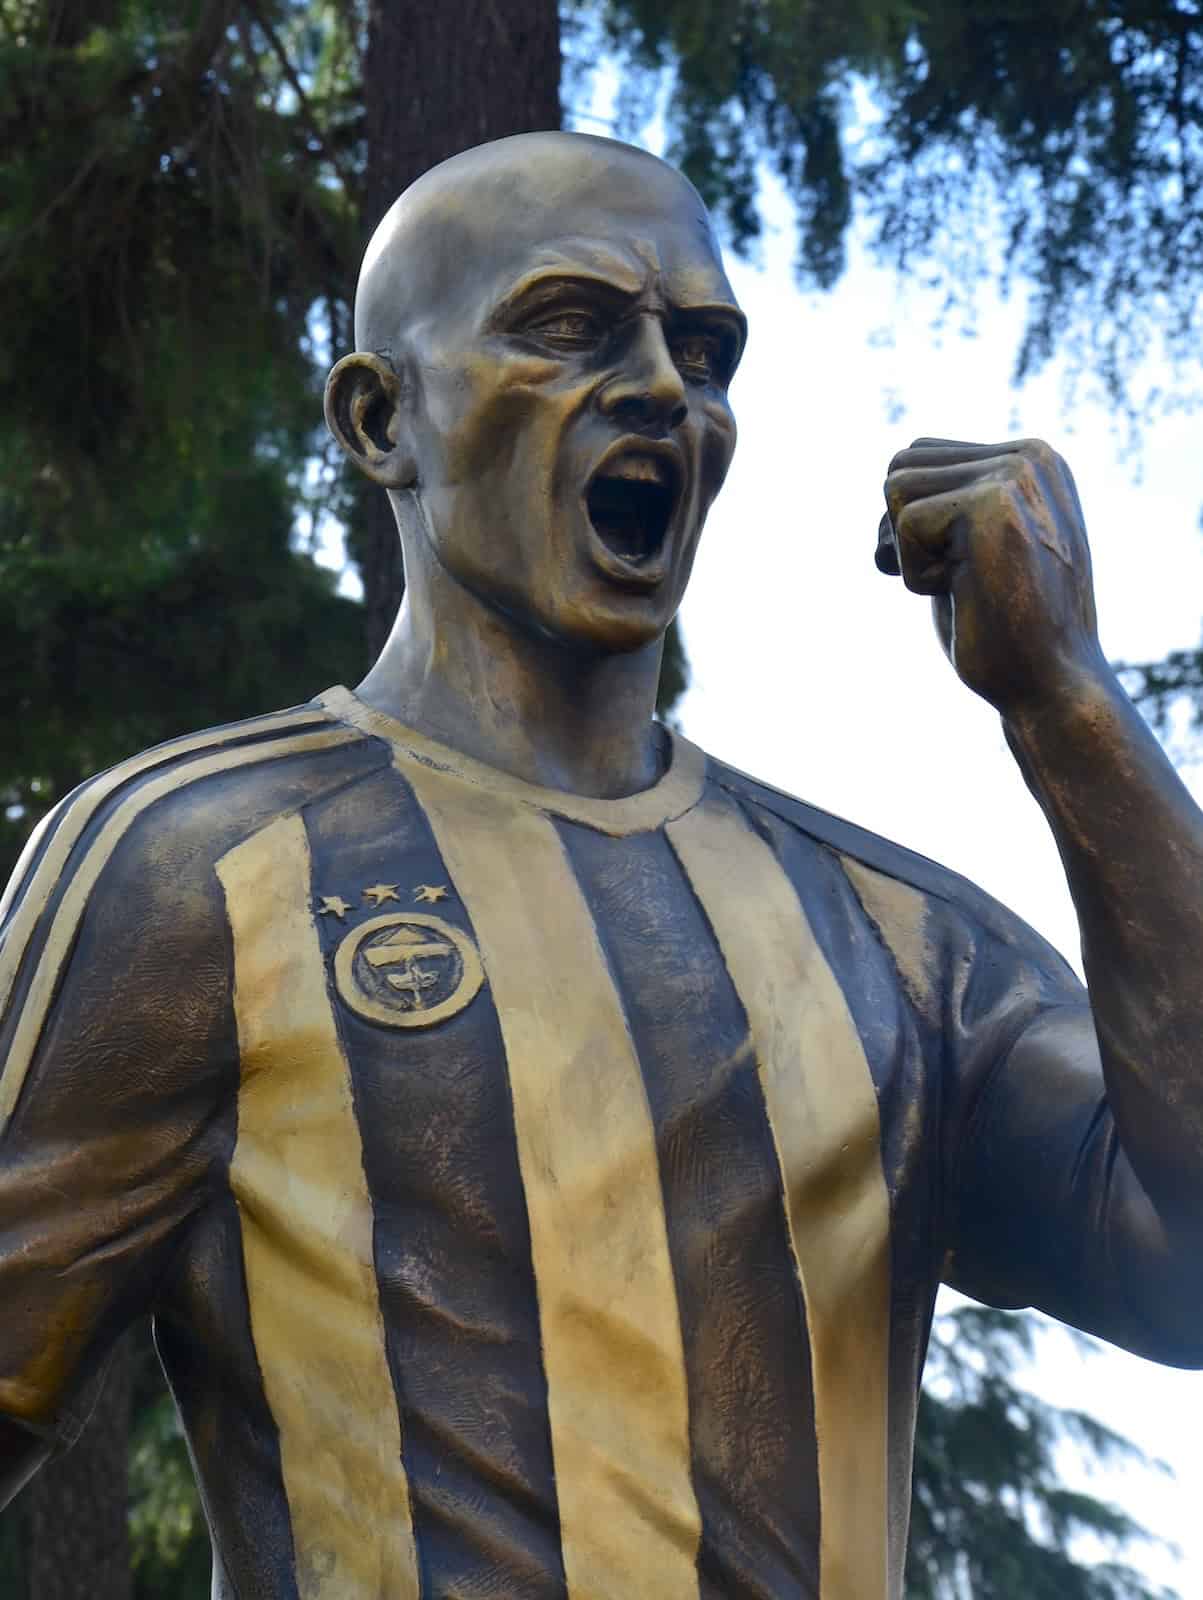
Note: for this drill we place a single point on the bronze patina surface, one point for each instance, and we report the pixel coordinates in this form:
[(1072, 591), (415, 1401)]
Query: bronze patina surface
[(539, 1144)]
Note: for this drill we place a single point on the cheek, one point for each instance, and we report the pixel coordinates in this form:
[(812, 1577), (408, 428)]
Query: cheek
[(488, 419), (717, 448)]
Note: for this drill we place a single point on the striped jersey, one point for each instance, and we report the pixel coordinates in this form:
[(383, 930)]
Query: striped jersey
[(536, 1196)]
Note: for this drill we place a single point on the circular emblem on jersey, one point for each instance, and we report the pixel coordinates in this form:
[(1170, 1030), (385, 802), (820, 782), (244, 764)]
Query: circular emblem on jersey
[(407, 969)]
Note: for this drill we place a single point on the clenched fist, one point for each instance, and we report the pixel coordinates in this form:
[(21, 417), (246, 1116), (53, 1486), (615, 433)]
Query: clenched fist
[(994, 533)]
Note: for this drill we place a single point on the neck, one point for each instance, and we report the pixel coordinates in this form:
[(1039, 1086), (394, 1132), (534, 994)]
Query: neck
[(459, 672)]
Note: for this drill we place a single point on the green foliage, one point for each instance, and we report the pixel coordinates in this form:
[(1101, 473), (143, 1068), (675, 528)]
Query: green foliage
[(740, 85), (167, 230), (1082, 125), (1059, 143), (990, 1516), (171, 220), (1160, 687)]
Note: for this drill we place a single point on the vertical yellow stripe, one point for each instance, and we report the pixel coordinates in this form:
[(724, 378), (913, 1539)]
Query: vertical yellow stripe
[(899, 913), (297, 1174), (823, 1112), (612, 1351)]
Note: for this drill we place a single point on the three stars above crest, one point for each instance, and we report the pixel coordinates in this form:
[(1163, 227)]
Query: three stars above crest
[(377, 893)]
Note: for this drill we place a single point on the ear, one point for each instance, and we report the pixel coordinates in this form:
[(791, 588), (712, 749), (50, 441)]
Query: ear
[(365, 404)]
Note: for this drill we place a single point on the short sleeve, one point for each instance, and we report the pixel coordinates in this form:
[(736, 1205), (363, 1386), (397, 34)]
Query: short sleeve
[(116, 1044), (1039, 1205), (1022, 1225), (1023, 1163)]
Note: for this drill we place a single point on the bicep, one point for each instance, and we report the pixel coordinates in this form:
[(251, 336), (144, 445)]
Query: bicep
[(1047, 1210)]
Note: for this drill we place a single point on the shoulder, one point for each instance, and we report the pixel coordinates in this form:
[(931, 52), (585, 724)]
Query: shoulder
[(117, 903), (907, 895), (189, 799), (135, 848)]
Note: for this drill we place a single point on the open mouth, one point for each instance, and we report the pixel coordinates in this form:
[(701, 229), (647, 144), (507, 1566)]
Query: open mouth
[(631, 507), (631, 517)]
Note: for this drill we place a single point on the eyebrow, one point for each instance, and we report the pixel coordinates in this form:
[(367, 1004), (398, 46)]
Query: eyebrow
[(718, 311), (629, 288)]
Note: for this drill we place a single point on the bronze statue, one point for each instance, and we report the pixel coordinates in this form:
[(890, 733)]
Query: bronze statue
[(539, 1144)]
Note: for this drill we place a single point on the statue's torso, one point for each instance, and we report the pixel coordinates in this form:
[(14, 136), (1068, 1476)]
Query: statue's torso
[(561, 1213)]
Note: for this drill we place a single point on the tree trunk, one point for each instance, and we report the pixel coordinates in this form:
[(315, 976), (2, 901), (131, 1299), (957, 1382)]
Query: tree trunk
[(439, 79), (76, 1532)]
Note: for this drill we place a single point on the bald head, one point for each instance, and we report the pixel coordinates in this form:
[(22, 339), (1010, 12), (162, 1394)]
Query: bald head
[(468, 223), (536, 318)]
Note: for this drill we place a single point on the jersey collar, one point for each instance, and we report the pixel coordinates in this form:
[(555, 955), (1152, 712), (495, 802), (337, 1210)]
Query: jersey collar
[(674, 793)]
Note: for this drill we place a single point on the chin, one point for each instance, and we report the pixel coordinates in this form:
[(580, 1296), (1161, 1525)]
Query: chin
[(608, 624)]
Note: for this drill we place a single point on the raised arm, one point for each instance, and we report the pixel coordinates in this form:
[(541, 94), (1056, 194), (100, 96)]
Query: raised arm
[(994, 534)]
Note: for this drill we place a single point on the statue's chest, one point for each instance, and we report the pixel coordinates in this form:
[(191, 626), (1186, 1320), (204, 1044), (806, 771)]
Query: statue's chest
[(540, 1038), (566, 1142)]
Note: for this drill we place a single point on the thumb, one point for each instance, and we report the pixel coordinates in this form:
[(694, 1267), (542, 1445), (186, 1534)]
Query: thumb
[(941, 613), (886, 555)]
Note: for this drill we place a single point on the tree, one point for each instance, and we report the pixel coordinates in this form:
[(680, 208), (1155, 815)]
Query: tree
[(990, 1516), (1057, 145), (167, 233)]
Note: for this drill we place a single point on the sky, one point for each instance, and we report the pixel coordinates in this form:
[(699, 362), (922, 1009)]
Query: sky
[(814, 672)]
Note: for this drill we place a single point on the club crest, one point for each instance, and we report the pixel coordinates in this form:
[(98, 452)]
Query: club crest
[(407, 969)]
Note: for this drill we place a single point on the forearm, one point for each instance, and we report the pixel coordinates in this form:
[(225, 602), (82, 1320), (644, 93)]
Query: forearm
[(1131, 839)]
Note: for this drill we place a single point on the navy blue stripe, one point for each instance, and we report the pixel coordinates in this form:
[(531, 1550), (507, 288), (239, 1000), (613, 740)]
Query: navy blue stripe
[(451, 1239)]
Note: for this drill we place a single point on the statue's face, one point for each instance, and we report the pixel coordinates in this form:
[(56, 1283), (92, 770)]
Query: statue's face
[(570, 422)]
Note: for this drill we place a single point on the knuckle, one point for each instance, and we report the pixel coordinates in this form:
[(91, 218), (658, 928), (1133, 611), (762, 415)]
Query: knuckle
[(1039, 452), (904, 519), (1025, 476), (895, 489), (991, 504), (1012, 472)]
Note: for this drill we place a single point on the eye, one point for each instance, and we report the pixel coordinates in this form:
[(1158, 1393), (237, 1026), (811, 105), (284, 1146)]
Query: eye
[(699, 355), (568, 329)]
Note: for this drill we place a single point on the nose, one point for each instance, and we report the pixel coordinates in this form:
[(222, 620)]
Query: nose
[(648, 392)]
